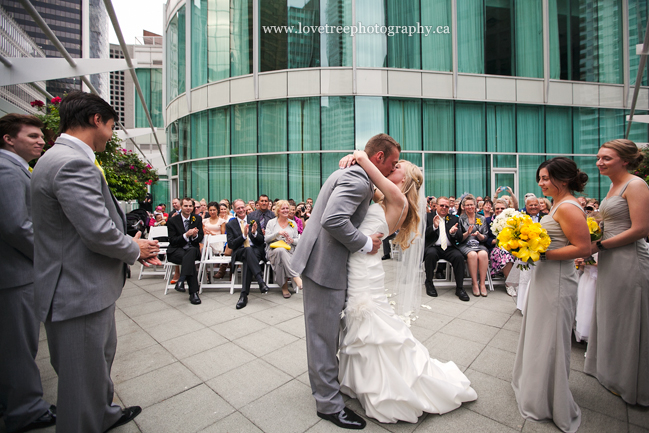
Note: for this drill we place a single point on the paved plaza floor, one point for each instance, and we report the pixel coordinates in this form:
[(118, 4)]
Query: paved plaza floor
[(212, 368)]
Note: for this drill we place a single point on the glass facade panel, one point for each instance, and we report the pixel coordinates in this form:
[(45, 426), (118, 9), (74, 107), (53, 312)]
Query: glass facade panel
[(499, 56), (439, 174), (471, 170), (336, 49), (501, 128), (218, 39), (638, 10), (182, 36), (240, 37), (436, 49), (530, 129), (529, 38), (586, 40), (303, 135), (273, 137), (199, 42), (219, 131), (272, 44), (172, 57), (438, 125), (405, 123), (404, 49), (558, 129), (371, 48), (199, 135), (199, 188), (304, 48), (611, 126), (337, 123), (527, 166), (639, 131), (144, 78), (220, 179), (244, 174), (371, 118), (160, 193), (244, 141), (184, 139), (470, 36), (587, 165), (584, 130)]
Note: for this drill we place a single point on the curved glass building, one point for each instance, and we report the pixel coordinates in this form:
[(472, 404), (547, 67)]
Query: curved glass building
[(265, 96)]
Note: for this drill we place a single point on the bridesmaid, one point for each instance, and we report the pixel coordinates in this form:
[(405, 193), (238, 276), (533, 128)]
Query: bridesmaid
[(542, 366), (618, 349)]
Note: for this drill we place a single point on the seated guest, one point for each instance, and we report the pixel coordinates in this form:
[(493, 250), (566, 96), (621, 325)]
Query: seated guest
[(296, 219), (533, 208), (240, 234), (545, 205), (282, 229), (500, 259), (163, 208), (185, 235), (307, 211), (432, 205), (262, 215), (203, 213), (249, 209), (452, 209), (175, 204), (215, 225), (442, 233), (472, 245), (157, 220), (487, 208)]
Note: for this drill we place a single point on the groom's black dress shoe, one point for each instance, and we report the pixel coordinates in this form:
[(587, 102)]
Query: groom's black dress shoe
[(346, 418), (45, 420), (243, 301), (128, 414), (386, 257), (194, 299), (430, 289), (180, 286), (460, 293)]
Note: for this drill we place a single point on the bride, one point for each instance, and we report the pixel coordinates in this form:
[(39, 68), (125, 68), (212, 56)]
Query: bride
[(381, 362)]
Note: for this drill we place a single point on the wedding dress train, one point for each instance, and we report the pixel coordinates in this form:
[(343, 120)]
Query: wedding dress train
[(381, 363)]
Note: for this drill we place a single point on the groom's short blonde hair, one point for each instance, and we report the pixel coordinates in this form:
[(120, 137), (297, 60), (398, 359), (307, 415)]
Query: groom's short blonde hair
[(381, 143)]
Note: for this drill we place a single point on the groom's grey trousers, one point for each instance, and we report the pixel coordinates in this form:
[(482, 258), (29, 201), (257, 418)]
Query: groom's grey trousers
[(322, 308)]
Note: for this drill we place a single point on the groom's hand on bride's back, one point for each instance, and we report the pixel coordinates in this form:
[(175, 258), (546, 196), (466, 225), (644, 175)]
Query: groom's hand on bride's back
[(376, 242)]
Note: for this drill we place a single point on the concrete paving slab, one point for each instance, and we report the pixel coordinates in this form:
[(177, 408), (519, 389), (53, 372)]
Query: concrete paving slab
[(291, 358), (462, 420), (239, 327), (446, 307), (129, 365), (487, 317), (134, 341), (495, 362), (195, 342), (505, 340), (190, 411), (514, 323), (233, 423), (449, 348), (218, 360), (156, 386), (294, 326), (218, 315), (639, 416), (589, 394), (134, 310), (470, 330), (276, 314), (248, 382), (432, 321), (265, 341), (496, 399), (292, 401), (126, 326), (507, 306), (153, 319), (167, 331), (142, 298)]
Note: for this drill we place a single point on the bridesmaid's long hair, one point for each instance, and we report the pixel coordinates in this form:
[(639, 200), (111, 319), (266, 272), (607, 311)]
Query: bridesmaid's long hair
[(414, 180), (627, 150)]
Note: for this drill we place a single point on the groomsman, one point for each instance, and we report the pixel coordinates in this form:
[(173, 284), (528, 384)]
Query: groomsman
[(81, 250), (21, 391)]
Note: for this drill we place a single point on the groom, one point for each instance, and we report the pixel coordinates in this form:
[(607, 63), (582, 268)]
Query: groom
[(321, 257)]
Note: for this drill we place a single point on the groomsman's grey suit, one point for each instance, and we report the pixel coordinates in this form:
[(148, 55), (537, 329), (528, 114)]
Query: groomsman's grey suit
[(321, 257), (80, 255), (21, 391)]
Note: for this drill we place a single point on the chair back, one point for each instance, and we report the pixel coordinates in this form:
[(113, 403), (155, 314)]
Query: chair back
[(214, 243), (159, 232)]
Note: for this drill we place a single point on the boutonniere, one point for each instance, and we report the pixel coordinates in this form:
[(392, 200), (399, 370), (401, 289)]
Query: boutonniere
[(447, 219), (478, 221), (291, 223), (193, 218)]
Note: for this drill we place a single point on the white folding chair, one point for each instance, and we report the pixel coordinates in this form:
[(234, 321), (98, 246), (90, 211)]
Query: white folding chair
[(210, 258), (157, 232)]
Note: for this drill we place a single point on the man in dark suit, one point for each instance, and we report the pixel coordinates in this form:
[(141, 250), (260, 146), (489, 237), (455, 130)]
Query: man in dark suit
[(442, 233), (80, 254), (240, 234), (185, 235), (263, 214), (21, 391)]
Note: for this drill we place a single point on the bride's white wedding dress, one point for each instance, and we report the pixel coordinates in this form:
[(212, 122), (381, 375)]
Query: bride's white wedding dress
[(381, 362)]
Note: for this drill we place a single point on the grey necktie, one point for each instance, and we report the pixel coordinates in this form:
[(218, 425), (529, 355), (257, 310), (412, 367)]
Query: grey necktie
[(186, 222)]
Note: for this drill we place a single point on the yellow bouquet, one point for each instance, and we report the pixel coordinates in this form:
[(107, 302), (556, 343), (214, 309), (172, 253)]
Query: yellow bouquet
[(594, 229), (523, 238)]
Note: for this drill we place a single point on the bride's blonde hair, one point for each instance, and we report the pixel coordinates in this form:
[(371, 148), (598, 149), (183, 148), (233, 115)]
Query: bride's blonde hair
[(410, 188)]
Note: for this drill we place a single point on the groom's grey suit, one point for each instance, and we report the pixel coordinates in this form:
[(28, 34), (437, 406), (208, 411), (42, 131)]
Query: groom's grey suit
[(79, 272), (321, 257)]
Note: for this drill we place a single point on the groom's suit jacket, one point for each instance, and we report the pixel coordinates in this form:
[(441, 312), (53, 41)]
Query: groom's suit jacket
[(332, 231), (176, 229), (79, 236), (16, 233)]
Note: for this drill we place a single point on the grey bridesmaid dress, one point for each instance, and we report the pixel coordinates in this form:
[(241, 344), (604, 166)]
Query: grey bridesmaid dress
[(618, 348), (542, 365)]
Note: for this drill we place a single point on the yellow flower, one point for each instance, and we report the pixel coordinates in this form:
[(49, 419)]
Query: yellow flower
[(478, 221), (291, 223)]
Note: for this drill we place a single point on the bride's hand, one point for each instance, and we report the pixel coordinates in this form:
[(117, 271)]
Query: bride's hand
[(347, 161), (360, 154)]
